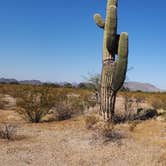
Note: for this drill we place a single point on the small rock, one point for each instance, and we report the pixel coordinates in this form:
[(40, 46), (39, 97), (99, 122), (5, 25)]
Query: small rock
[(161, 118), (161, 111)]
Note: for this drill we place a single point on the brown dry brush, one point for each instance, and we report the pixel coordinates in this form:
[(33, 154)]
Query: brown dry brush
[(8, 131), (35, 103)]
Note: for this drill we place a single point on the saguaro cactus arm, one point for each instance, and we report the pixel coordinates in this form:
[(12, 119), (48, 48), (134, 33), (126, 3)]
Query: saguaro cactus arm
[(99, 21), (121, 63)]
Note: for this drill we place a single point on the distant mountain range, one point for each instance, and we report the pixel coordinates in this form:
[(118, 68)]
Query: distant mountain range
[(145, 87), (31, 82), (133, 86)]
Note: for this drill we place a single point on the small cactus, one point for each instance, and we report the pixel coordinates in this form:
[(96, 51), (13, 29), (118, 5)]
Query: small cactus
[(113, 72)]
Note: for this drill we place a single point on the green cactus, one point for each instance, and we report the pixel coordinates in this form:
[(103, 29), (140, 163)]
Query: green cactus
[(113, 72)]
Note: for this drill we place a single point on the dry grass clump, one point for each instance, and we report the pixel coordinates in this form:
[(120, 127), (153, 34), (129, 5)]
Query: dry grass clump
[(157, 99), (159, 103), (102, 130), (8, 131), (90, 121), (107, 130)]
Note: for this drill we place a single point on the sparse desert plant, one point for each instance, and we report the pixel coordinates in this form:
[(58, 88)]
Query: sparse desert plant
[(35, 104), (95, 81), (8, 131), (106, 131), (159, 103), (76, 104), (63, 112), (90, 121), (138, 100), (127, 105), (144, 114)]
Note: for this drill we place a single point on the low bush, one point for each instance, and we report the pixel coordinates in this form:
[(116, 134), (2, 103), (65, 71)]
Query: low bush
[(8, 131), (107, 130), (145, 114), (159, 103), (63, 112), (34, 104), (90, 121)]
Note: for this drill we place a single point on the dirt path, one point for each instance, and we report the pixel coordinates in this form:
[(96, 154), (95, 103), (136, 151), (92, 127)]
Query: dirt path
[(68, 143)]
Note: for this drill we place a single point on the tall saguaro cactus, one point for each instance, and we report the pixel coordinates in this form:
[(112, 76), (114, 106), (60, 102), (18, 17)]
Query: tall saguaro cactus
[(113, 71)]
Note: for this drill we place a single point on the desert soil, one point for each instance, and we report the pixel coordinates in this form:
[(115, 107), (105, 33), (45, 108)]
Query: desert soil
[(69, 143)]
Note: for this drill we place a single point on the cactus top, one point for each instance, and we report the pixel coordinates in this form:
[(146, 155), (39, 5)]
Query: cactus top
[(110, 30), (112, 2)]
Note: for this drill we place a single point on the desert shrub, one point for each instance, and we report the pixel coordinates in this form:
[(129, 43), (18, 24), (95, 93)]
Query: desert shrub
[(35, 103), (106, 131), (141, 114), (103, 131), (127, 105), (76, 104), (90, 121), (63, 112), (77, 99), (8, 131), (120, 118), (144, 114), (159, 103)]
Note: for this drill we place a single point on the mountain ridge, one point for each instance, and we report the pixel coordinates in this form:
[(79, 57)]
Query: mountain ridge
[(138, 86), (132, 85)]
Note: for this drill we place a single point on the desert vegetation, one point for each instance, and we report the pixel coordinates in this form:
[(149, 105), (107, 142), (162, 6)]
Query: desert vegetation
[(67, 119)]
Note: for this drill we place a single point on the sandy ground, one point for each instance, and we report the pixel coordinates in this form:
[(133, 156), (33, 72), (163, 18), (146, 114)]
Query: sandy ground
[(69, 143)]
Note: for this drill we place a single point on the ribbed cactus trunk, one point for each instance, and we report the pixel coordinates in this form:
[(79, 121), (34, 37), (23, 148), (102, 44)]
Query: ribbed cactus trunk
[(113, 71)]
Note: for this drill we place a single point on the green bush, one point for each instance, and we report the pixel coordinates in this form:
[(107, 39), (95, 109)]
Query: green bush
[(35, 103)]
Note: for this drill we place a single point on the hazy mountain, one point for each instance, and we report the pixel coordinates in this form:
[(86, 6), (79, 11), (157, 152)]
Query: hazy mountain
[(6, 80), (145, 87), (31, 82), (133, 86)]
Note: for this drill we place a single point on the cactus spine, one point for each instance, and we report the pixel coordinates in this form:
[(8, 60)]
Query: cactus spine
[(113, 71)]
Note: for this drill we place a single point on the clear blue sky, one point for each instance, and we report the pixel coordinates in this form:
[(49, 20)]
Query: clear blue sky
[(55, 40)]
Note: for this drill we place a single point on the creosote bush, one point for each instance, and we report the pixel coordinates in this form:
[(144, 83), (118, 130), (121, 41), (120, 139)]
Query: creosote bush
[(63, 112), (35, 103)]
